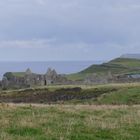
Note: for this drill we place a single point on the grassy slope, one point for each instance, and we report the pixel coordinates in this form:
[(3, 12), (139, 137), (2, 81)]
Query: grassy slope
[(102, 94), (126, 62), (116, 66), (125, 94), (69, 122), (122, 96)]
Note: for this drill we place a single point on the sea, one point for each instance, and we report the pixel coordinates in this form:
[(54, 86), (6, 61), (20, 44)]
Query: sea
[(62, 67)]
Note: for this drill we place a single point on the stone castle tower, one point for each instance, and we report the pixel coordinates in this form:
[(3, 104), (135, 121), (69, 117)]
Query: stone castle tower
[(28, 71), (29, 79)]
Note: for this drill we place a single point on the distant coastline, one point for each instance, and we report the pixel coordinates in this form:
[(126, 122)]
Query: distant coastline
[(63, 67)]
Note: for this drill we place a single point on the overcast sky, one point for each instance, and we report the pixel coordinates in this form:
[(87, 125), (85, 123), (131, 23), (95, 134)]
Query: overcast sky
[(68, 29)]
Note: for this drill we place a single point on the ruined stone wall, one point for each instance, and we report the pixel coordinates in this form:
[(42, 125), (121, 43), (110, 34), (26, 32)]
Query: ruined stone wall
[(109, 78), (30, 79)]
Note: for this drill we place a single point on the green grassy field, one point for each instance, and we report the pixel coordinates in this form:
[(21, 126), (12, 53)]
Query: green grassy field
[(69, 122), (112, 113)]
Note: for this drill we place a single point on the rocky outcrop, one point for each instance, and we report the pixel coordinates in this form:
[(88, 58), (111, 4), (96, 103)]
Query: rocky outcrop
[(110, 78), (98, 79)]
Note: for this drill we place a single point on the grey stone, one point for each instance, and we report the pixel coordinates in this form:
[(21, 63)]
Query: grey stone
[(30, 79)]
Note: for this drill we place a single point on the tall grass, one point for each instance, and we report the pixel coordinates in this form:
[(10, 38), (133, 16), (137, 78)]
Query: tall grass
[(69, 122)]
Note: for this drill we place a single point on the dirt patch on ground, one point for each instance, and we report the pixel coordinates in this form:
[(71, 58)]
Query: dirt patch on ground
[(46, 96)]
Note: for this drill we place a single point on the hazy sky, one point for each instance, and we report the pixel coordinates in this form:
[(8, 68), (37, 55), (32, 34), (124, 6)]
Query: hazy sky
[(68, 29)]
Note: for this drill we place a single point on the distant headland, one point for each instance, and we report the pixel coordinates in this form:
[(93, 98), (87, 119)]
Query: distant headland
[(122, 69)]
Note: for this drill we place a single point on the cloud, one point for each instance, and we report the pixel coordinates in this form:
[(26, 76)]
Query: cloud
[(34, 43), (81, 28), (69, 20), (52, 49), (41, 2)]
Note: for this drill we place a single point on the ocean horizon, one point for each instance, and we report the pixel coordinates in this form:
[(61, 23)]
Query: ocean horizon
[(40, 67)]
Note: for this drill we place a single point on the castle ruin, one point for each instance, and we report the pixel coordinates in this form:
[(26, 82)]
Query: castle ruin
[(30, 79)]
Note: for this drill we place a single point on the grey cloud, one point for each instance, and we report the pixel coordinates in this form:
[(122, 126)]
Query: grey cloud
[(97, 24)]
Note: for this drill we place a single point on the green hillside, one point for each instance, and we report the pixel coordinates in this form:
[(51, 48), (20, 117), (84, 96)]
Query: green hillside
[(116, 66), (127, 62)]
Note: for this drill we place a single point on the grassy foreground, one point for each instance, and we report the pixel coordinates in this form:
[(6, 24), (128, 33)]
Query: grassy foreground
[(69, 122), (101, 112)]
